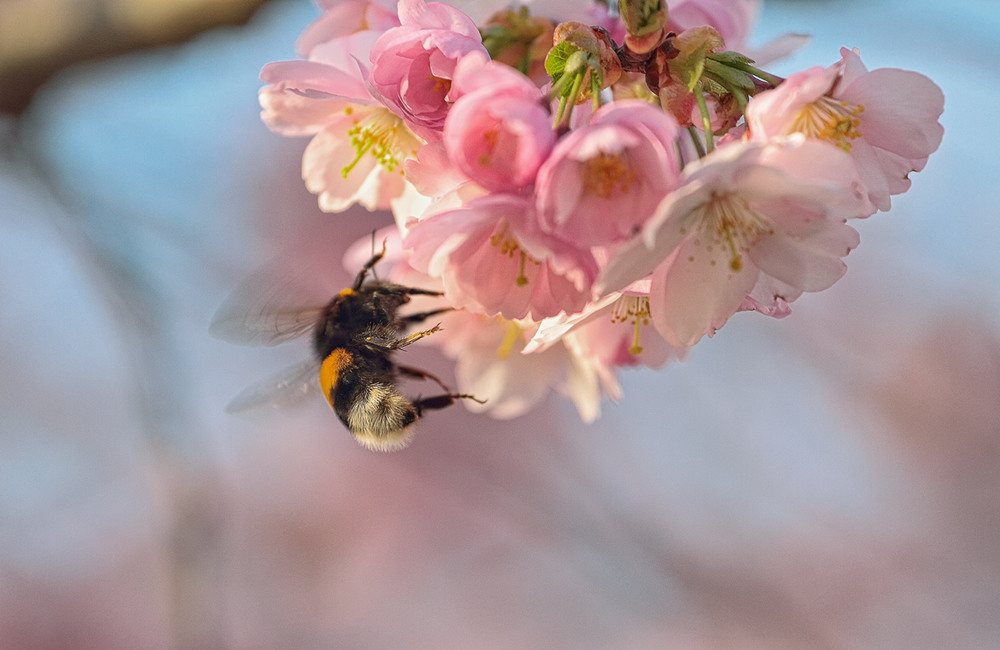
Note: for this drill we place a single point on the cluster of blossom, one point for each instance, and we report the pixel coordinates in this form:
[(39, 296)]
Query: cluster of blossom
[(593, 187)]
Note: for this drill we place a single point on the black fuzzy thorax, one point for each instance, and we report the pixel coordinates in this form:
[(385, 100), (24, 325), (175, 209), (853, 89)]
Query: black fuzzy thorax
[(350, 318)]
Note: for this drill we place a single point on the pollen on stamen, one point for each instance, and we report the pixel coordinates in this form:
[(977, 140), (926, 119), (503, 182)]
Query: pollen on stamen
[(829, 119), (606, 175)]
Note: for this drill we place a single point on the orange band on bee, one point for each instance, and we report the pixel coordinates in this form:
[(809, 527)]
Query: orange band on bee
[(330, 371)]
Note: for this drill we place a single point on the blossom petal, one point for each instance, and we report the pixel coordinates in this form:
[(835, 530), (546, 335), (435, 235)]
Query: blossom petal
[(810, 263), (901, 111), (323, 162), (691, 295), (303, 96)]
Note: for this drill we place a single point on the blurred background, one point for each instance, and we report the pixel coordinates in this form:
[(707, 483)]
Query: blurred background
[(831, 480)]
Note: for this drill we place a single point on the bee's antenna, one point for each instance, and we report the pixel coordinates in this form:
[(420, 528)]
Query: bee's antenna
[(374, 272)]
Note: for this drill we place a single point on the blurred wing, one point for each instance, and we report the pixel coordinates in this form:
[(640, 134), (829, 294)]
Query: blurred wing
[(287, 389), (261, 314), (263, 327)]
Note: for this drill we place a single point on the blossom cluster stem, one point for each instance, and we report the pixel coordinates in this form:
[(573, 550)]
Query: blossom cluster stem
[(763, 75)]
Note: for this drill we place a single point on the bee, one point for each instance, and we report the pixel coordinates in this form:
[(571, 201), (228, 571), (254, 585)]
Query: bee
[(354, 338)]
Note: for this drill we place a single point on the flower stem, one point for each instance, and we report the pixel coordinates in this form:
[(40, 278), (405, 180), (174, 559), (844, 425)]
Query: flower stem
[(696, 141), (570, 100), (706, 119)]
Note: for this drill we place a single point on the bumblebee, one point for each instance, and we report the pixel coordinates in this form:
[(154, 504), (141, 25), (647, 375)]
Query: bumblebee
[(354, 338)]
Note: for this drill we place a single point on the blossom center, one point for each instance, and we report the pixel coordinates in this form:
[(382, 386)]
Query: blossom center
[(383, 135), (830, 119), (441, 86), (503, 240), (491, 137), (606, 174), (634, 309), (728, 225)]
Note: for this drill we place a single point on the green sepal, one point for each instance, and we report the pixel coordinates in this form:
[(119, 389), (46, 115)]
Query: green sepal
[(555, 62)]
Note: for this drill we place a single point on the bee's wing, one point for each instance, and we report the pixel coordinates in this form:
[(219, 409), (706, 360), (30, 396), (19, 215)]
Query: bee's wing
[(262, 313), (286, 389), (264, 327)]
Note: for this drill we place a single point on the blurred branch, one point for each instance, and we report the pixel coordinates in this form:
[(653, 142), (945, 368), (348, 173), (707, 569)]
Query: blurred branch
[(38, 38)]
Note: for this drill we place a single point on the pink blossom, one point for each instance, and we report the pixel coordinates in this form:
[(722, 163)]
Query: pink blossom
[(438, 186), (344, 17), (358, 145), (488, 350), (620, 335), (604, 180), (613, 332), (433, 173), (413, 64), (493, 260), (887, 119), (301, 97), (498, 131), (489, 364), (745, 212), (733, 19)]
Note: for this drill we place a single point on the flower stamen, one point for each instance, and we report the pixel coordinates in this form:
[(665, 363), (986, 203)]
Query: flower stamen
[(383, 135), (830, 119), (732, 225), (441, 86), (521, 278), (635, 309), (492, 137), (508, 246), (605, 174)]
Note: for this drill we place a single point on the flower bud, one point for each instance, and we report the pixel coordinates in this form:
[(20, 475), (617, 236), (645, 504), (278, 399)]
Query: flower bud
[(520, 40), (644, 21), (587, 52)]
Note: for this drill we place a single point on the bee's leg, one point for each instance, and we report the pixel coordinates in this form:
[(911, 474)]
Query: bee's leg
[(424, 315), (417, 373), (417, 291), (369, 265), (416, 336), (442, 401)]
